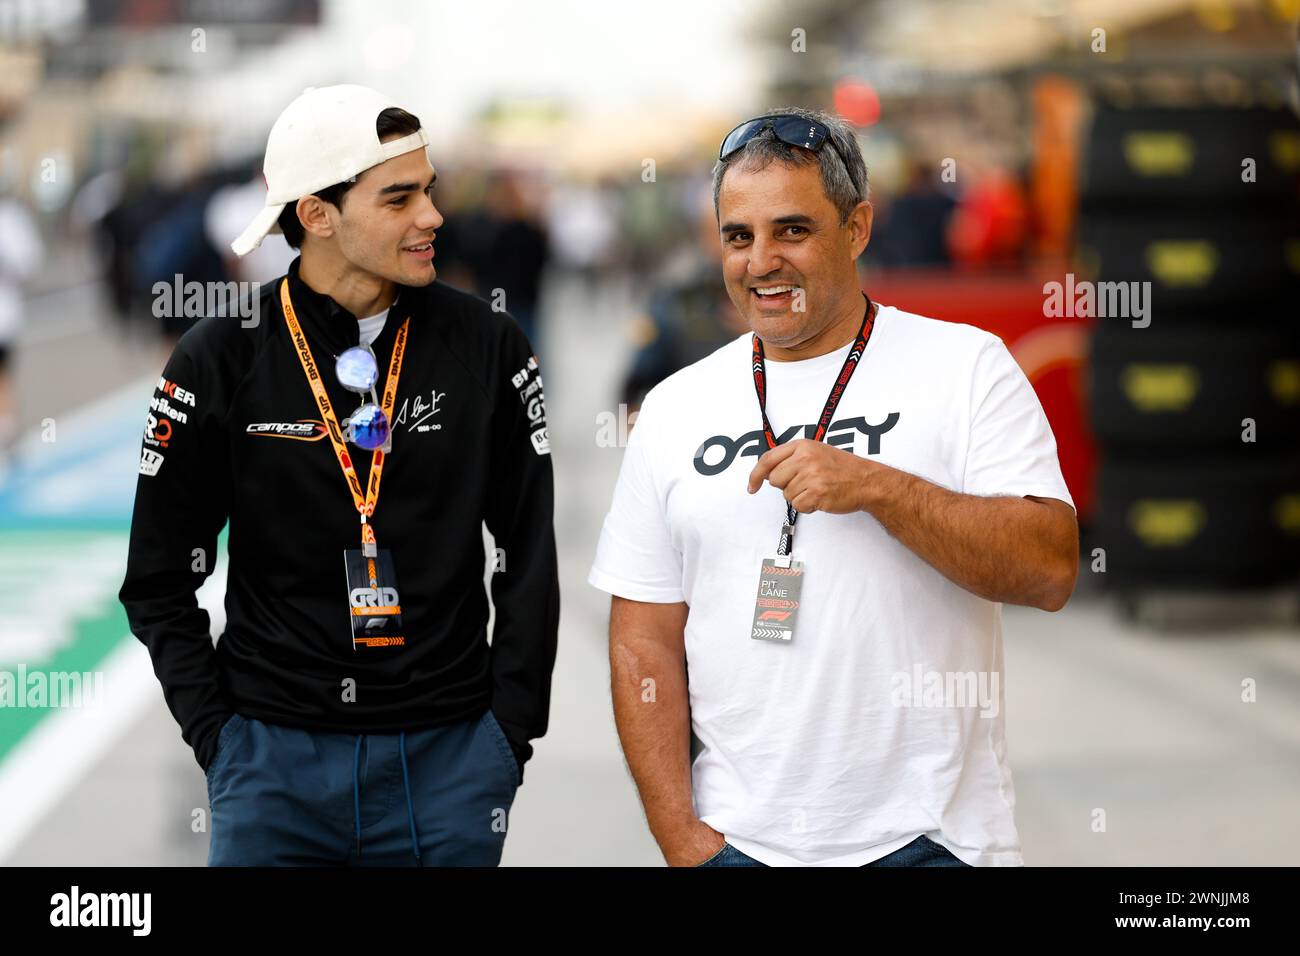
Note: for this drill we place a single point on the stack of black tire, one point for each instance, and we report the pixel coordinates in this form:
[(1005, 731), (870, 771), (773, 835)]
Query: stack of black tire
[(1183, 501)]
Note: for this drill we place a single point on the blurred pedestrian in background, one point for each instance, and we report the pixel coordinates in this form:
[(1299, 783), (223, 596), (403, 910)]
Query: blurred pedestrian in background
[(21, 251), (689, 314), (501, 248)]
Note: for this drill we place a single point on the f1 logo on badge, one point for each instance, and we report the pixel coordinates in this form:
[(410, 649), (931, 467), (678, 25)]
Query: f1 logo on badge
[(373, 597), (774, 615)]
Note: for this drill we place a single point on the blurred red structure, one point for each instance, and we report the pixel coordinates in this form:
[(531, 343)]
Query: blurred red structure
[(1052, 352)]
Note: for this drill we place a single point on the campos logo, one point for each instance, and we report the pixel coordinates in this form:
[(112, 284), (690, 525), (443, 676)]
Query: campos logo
[(305, 429), (716, 454)]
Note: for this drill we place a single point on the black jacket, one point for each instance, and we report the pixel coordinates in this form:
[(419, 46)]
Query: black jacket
[(469, 446)]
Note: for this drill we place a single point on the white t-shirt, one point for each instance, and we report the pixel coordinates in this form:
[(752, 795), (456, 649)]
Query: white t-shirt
[(371, 327), (836, 748)]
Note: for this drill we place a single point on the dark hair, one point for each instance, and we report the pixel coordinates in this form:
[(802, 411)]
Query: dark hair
[(845, 185), (390, 123)]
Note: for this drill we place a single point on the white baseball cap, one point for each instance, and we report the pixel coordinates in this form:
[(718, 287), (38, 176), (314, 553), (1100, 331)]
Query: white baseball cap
[(326, 136)]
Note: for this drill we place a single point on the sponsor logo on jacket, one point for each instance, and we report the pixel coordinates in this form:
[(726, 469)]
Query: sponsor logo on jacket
[(160, 405), (305, 429), (157, 431), (175, 392), (150, 462), (527, 383)]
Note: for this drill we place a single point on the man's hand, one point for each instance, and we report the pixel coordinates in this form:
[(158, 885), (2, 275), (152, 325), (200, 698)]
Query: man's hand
[(814, 476), (693, 845), (1018, 550)]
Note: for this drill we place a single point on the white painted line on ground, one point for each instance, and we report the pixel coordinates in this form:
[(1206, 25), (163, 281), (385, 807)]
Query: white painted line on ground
[(65, 746)]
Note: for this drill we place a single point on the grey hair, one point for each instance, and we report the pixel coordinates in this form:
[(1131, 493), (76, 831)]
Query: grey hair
[(844, 186)]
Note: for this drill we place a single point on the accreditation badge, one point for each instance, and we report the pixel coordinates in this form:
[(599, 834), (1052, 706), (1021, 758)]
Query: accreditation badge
[(777, 606), (374, 604)]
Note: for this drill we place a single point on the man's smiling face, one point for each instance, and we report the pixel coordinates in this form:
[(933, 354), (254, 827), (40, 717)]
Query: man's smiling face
[(387, 223), (787, 261)]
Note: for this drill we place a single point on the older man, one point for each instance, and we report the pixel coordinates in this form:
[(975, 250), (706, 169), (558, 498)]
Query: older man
[(844, 683)]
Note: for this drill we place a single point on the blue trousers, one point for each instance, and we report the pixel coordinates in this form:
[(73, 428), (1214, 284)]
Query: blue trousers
[(920, 852), (287, 797)]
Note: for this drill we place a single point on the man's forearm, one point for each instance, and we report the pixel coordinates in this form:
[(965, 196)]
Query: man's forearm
[(653, 721), (1006, 549), (525, 636), (165, 616)]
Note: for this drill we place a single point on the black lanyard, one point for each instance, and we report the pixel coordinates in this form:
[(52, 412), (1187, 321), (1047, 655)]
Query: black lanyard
[(786, 543)]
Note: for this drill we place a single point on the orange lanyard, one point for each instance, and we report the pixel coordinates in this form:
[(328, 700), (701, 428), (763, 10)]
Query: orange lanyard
[(365, 503)]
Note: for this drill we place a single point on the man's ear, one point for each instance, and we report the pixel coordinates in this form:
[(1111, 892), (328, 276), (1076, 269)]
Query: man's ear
[(859, 226), (315, 215)]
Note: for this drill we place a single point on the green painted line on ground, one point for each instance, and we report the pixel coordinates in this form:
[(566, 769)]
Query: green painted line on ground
[(94, 637)]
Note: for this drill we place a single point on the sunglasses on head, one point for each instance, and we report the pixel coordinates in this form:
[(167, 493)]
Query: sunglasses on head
[(789, 129), (358, 371)]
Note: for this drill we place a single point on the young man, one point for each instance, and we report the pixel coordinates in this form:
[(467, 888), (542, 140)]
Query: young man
[(353, 710), (927, 478)]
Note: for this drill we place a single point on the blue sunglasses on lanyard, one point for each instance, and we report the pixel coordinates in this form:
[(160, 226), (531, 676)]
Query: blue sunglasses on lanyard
[(358, 371)]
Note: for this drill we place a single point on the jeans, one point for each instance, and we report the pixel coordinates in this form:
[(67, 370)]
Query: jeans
[(281, 796), (920, 852)]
